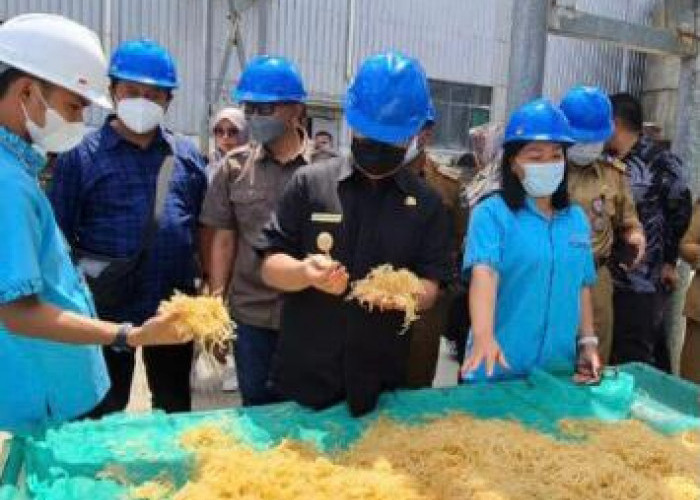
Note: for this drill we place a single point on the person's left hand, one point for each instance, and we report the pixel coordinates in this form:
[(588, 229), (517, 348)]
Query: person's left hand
[(588, 365), (637, 240), (669, 277)]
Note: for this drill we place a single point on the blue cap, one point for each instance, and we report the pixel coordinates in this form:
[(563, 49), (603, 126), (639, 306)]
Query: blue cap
[(589, 112), (538, 120), (143, 61), (270, 79), (388, 99)]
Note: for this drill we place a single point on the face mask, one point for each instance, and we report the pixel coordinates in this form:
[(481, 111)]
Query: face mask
[(57, 135), (140, 115), (266, 129), (412, 153), (542, 179), (585, 154), (377, 159)]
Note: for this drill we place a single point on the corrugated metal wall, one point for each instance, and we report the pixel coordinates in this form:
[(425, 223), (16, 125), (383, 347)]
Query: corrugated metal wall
[(462, 41), (612, 68), (448, 36), (88, 12)]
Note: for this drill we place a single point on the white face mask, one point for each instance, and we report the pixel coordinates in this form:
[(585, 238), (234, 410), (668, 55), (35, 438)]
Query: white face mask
[(140, 115), (585, 153), (58, 135), (543, 179)]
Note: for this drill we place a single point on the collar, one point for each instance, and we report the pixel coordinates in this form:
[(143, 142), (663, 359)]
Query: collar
[(595, 168), (419, 164), (261, 153), (403, 178), (30, 158), (532, 207), (112, 139)]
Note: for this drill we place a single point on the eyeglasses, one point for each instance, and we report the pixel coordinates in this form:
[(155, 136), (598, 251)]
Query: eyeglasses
[(225, 132), (259, 108)]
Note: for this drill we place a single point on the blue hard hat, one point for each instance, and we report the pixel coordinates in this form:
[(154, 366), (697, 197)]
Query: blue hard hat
[(388, 99), (589, 112), (538, 120), (270, 79), (143, 61)]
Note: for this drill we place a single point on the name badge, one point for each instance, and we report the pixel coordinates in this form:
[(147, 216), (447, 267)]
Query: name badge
[(327, 218)]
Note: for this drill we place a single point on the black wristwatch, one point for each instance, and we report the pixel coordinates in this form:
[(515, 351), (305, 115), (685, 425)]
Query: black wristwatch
[(119, 344)]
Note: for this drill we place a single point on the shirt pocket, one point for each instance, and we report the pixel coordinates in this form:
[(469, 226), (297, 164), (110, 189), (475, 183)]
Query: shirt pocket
[(251, 209), (319, 232)]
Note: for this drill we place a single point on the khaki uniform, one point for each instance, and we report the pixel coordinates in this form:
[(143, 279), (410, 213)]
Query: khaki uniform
[(426, 332), (242, 196), (604, 193), (690, 358)]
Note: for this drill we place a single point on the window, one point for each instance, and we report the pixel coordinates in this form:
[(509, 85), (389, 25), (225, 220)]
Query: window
[(459, 107)]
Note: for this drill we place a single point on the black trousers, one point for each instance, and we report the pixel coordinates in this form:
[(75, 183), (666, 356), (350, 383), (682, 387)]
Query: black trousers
[(638, 333), (168, 373)]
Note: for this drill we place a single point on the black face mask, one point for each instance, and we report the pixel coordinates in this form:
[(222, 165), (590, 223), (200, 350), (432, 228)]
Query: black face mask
[(377, 159)]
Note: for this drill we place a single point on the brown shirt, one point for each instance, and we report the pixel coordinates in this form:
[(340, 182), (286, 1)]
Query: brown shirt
[(692, 300), (242, 196), (447, 182), (604, 193)]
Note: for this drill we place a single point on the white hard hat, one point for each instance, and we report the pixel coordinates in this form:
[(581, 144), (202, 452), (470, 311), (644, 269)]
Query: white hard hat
[(59, 51)]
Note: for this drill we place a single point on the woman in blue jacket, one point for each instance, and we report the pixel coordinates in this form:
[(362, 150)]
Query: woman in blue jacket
[(529, 258)]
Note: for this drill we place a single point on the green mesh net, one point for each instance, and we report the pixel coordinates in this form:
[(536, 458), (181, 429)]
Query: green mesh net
[(63, 463)]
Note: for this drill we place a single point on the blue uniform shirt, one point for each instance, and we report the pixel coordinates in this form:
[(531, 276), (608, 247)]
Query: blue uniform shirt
[(41, 382), (542, 265), (102, 194)]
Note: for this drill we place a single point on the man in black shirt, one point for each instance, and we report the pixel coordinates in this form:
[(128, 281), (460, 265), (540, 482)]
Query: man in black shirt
[(376, 212)]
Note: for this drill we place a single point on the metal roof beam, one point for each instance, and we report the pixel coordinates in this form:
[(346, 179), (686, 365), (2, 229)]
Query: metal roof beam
[(565, 20)]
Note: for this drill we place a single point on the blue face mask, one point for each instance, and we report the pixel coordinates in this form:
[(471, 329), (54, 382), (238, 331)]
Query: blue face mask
[(543, 179)]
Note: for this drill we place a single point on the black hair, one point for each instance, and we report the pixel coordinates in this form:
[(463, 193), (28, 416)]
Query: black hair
[(324, 133), (429, 124), (467, 161), (7, 78), (512, 189), (11, 75), (628, 110)]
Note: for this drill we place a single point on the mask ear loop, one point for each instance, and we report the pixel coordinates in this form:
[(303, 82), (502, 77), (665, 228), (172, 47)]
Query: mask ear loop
[(43, 101), (375, 177)]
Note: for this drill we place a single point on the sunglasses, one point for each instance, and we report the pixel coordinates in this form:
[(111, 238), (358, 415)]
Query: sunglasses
[(259, 108), (225, 132)]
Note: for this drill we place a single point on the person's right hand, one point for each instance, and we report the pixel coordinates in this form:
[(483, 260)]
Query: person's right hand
[(484, 350), (159, 330), (326, 275)]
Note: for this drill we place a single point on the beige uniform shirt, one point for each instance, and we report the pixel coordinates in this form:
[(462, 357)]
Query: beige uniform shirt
[(692, 301), (604, 193), (242, 196)]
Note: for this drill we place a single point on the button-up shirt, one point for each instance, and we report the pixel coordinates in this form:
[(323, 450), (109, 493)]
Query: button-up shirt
[(399, 221), (41, 382), (542, 264), (103, 192), (243, 195), (604, 193), (664, 206)]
